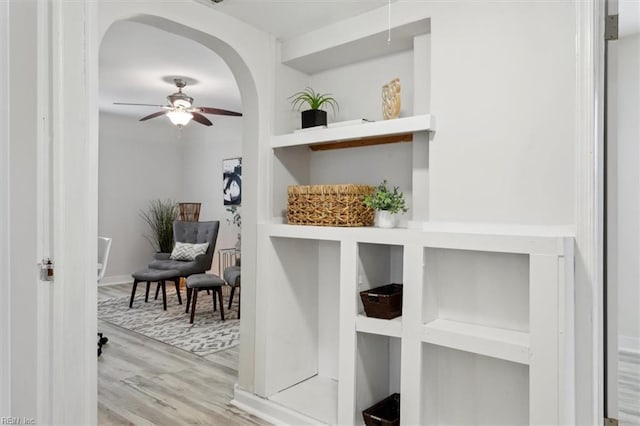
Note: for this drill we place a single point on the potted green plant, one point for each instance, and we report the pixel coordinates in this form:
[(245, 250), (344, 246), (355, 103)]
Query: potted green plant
[(160, 215), (387, 204), (315, 115)]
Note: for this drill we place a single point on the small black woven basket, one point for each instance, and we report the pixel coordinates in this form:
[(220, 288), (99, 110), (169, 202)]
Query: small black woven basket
[(383, 302), (383, 413)]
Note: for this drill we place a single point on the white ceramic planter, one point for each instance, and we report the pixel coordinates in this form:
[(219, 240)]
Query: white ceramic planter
[(386, 219)]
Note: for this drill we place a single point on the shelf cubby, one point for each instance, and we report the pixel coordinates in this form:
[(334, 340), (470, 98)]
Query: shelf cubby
[(377, 371), (461, 387), (476, 294), (316, 398), (302, 319), (378, 265)]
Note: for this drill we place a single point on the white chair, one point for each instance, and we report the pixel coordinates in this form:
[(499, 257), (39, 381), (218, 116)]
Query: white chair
[(104, 246)]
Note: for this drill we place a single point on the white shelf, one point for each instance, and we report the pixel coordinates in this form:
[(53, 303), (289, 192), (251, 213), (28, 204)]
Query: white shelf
[(550, 240), (382, 327), (490, 341), (417, 123), (316, 397)]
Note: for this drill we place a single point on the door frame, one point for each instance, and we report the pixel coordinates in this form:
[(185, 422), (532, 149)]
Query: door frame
[(74, 395), (589, 361), (5, 305)]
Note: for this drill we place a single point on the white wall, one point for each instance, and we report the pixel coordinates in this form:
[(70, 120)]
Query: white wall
[(204, 148), (503, 93), (138, 162), (624, 197), (358, 87)]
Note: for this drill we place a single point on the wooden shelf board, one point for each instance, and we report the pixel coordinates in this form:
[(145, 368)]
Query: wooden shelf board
[(489, 341), (316, 397), (382, 327), (358, 143)]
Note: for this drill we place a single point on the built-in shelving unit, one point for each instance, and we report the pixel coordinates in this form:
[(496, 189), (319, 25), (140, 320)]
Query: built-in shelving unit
[(337, 263), (486, 327)]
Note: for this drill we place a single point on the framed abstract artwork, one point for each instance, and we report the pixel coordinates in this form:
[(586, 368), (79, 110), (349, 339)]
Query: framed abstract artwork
[(232, 181)]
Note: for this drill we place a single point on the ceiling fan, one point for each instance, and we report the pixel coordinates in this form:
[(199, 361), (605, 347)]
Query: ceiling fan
[(180, 110)]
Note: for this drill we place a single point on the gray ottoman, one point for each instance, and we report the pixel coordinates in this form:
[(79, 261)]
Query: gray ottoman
[(159, 276), (199, 282), (231, 275)]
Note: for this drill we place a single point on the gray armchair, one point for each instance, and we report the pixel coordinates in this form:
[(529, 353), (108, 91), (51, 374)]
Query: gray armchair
[(193, 233)]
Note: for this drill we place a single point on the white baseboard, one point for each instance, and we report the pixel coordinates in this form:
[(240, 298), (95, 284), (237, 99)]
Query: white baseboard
[(116, 279), (269, 411), (630, 344)]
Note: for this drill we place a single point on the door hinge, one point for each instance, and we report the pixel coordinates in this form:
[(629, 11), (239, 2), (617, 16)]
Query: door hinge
[(46, 270), (611, 27), (610, 422)]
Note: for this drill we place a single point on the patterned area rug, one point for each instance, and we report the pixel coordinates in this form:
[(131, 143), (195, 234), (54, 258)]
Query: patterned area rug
[(208, 333)]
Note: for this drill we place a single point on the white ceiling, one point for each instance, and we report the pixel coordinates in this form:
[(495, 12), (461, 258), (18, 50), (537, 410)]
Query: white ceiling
[(137, 61), (289, 18)]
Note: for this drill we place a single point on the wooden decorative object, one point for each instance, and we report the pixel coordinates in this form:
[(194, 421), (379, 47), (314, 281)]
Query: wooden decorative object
[(391, 99), (329, 205), (189, 212)]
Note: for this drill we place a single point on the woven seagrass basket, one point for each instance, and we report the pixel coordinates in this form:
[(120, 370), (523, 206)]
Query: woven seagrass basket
[(329, 205)]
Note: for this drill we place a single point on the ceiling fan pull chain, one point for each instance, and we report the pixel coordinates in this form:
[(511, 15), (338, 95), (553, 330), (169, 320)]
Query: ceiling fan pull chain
[(389, 23)]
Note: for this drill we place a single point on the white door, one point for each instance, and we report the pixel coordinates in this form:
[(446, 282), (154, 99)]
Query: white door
[(622, 372), (48, 208)]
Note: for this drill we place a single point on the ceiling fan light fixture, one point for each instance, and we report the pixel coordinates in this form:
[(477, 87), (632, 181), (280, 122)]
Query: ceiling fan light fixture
[(180, 100), (180, 117)]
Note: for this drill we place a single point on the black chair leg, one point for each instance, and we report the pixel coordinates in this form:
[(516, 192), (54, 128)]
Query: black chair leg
[(133, 292), (146, 294), (157, 291), (219, 291), (189, 293), (177, 283), (239, 300), (233, 290), (214, 299), (164, 295), (193, 304)]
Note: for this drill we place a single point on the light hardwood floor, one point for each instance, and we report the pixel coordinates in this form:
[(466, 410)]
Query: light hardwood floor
[(142, 381)]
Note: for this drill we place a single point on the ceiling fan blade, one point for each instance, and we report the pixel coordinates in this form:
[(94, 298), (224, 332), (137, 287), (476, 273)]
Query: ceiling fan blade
[(218, 111), (126, 103), (154, 115), (201, 119)]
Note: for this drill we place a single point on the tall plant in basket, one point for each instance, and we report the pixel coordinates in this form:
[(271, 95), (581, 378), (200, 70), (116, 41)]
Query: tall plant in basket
[(160, 215)]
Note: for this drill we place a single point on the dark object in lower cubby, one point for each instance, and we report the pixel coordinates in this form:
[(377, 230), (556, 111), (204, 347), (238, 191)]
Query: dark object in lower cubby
[(383, 302), (383, 413)]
